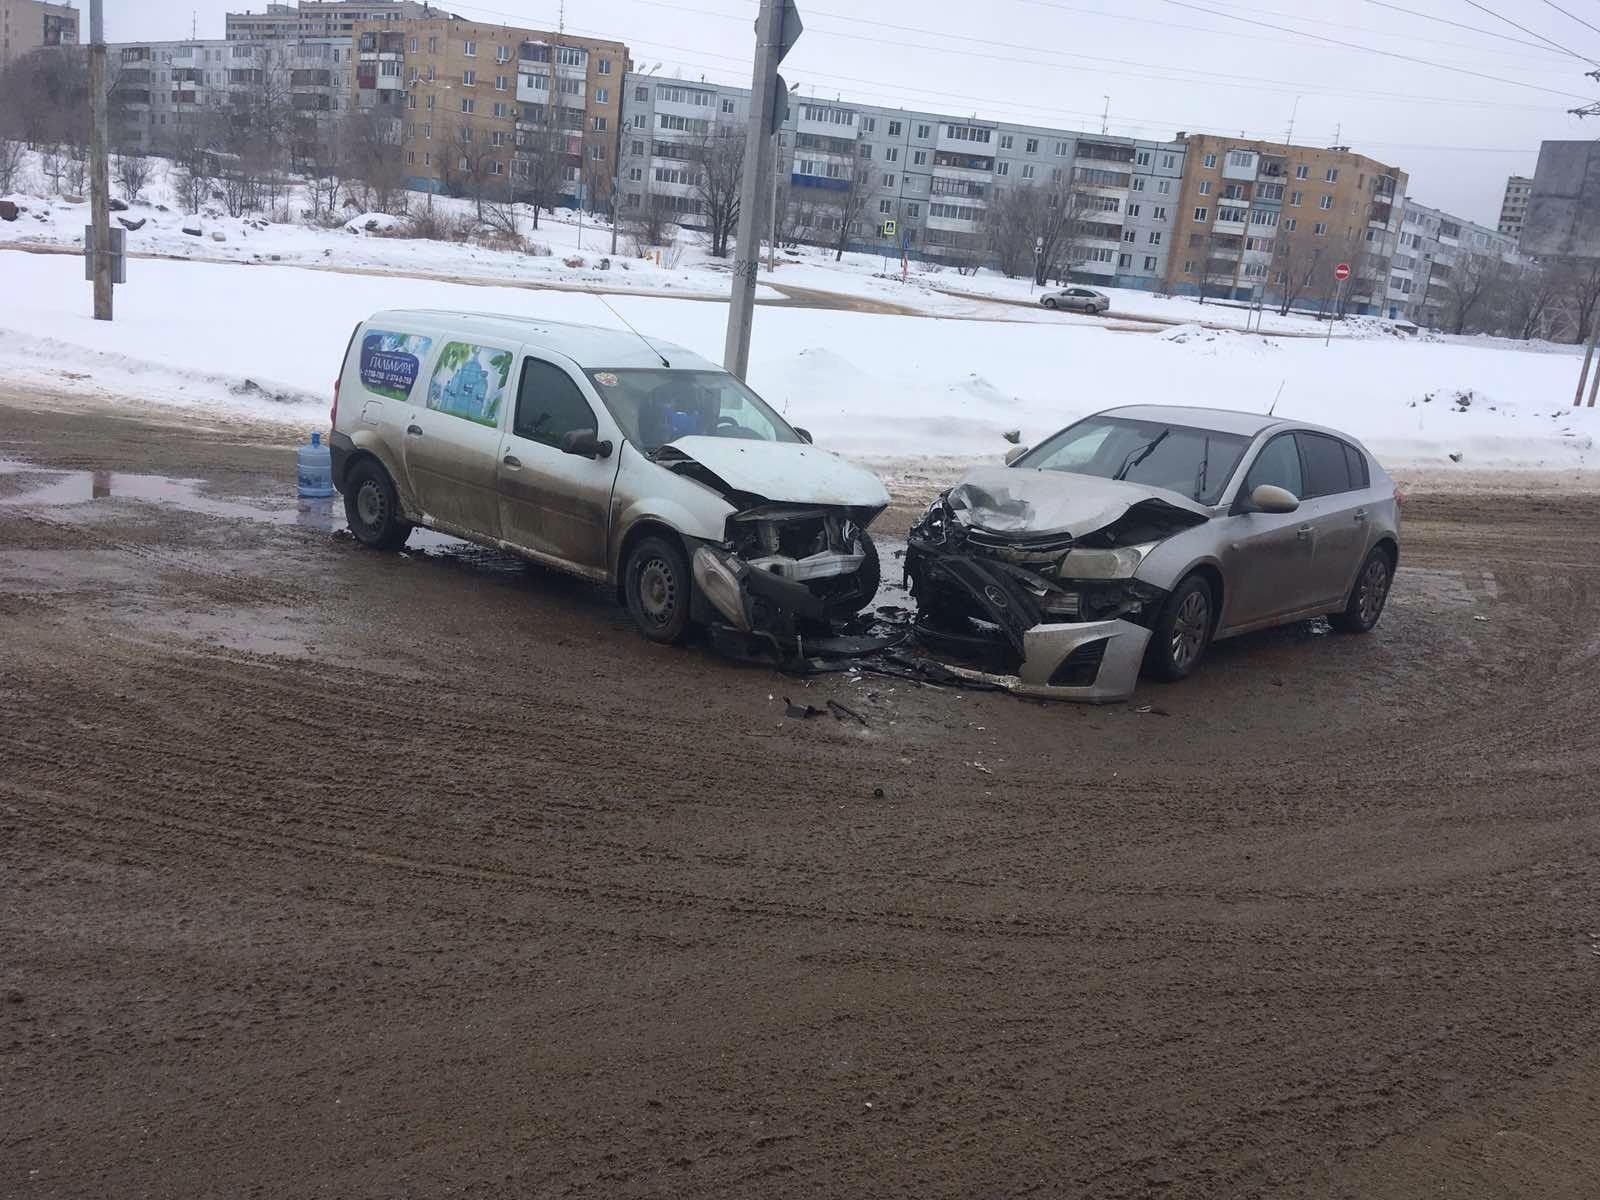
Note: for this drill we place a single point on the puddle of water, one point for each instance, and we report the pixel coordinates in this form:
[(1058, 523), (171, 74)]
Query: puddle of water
[(64, 489)]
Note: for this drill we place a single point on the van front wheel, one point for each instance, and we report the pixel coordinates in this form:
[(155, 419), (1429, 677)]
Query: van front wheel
[(372, 509), (658, 588)]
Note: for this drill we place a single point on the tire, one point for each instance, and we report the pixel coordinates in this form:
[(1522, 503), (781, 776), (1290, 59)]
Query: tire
[(659, 589), (1368, 595), (372, 508), (1048, 302), (1182, 631), (864, 589)]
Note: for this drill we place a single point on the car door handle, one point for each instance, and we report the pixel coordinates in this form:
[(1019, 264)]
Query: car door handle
[(1303, 533), (512, 461), (413, 430), (1361, 514)]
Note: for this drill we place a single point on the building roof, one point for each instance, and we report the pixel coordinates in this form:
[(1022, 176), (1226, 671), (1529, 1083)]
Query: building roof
[(590, 346)]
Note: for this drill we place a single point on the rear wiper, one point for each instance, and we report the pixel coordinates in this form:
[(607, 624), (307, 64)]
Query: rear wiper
[(1135, 457)]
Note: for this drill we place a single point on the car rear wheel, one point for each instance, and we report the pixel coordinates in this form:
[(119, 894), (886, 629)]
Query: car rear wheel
[(372, 509), (1367, 597), (1182, 631), (658, 588)]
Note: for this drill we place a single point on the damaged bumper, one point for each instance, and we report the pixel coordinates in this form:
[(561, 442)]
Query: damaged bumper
[(750, 600), (1093, 661)]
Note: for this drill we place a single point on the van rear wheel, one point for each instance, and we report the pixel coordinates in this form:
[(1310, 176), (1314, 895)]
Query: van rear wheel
[(658, 588), (372, 508)]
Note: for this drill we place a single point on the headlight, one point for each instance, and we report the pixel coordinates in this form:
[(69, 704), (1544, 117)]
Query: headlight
[(1120, 563)]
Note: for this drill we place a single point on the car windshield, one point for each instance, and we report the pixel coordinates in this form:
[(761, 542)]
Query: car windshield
[(1192, 462), (655, 406)]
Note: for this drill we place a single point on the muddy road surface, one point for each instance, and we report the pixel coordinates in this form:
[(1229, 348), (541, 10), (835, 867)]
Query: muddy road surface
[(331, 873)]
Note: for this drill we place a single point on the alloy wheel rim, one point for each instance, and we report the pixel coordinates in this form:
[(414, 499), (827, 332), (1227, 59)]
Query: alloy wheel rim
[(658, 591), (1189, 630), (1374, 588)]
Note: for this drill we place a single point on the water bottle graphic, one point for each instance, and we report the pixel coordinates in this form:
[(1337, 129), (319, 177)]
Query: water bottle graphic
[(314, 469)]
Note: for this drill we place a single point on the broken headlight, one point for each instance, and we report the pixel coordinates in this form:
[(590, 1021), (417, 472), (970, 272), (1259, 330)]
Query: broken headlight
[(1120, 563)]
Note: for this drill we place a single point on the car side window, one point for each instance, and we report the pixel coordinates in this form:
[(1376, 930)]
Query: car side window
[(1360, 477), (1327, 470), (1278, 465), (550, 405)]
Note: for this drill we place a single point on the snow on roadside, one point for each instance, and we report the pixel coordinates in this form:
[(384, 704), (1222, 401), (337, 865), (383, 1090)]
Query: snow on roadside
[(877, 387)]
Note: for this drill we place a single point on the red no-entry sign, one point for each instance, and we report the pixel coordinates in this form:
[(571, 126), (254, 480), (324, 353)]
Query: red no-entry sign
[(1342, 272)]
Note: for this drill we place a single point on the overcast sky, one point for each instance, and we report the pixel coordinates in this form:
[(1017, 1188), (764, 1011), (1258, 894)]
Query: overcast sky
[(1201, 65)]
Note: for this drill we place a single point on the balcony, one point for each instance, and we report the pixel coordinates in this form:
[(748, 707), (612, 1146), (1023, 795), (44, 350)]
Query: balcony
[(1244, 169), (970, 140), (1108, 152)]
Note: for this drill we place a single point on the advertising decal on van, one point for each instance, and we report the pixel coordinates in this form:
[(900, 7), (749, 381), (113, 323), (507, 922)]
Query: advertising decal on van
[(470, 381), (390, 362)]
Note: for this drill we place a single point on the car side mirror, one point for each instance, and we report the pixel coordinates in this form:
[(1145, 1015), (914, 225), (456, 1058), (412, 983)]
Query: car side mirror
[(1270, 499), (585, 443), (805, 434), (1015, 453)]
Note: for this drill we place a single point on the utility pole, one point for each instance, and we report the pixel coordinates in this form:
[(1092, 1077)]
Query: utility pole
[(772, 241), (99, 168), (777, 28)]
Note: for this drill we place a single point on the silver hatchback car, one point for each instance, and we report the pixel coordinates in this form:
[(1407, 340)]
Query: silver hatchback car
[(1078, 299), (629, 462), (1137, 536)]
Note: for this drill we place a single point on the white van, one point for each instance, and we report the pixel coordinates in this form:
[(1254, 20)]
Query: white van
[(593, 450)]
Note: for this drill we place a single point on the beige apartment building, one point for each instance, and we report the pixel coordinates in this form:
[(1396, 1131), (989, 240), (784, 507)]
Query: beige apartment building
[(1265, 220), (28, 25), (468, 96)]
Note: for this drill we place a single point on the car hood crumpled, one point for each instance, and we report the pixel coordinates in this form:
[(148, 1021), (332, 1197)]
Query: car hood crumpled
[(1023, 500), (781, 472)]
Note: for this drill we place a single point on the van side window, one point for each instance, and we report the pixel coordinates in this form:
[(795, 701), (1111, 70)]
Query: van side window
[(1278, 465), (1327, 470), (549, 405)]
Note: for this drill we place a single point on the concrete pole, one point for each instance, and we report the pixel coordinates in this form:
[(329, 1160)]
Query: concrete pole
[(99, 167), (1588, 355), (757, 167), (772, 242)]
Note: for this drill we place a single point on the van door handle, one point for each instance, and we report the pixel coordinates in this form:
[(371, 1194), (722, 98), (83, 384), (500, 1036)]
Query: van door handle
[(512, 461), (1303, 533), (413, 430), (1361, 514)]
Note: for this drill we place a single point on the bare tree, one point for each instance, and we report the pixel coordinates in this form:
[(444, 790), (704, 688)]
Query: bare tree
[(1476, 277), (597, 185), (653, 227), (1012, 218), (1296, 264), (1581, 291), (851, 203), (718, 156), (44, 98), (132, 172), (373, 166), (11, 159)]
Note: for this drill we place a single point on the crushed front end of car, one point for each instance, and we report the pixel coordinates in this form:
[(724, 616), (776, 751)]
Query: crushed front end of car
[(1000, 578)]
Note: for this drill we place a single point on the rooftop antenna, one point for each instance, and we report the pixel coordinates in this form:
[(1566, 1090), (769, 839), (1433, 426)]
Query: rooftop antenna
[(1105, 117), (1270, 411), (1293, 112), (634, 331)]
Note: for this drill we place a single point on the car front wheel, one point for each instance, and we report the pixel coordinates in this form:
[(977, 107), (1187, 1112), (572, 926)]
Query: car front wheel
[(1367, 597), (1182, 631), (1048, 302), (658, 587)]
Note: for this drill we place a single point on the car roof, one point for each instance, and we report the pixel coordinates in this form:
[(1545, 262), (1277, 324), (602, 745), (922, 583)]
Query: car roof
[(1220, 420), (590, 346)]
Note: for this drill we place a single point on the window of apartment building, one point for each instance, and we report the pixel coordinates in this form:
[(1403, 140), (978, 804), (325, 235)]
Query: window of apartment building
[(1164, 187), (1236, 215), (919, 158), (1006, 141), (1062, 148), (468, 105), (430, 75), (892, 154), (1265, 217), (894, 128), (1233, 191), (501, 83), (603, 67), (469, 48), (427, 102), (499, 138), (641, 94), (1160, 213), (433, 45), (571, 87), (1124, 260), (469, 79), (411, 157), (1142, 158), (1100, 254), (1155, 237), (727, 104), (462, 165), (599, 124), (242, 51), (1209, 161), (1320, 229), (635, 174), (1133, 210), (597, 153), (1290, 225), (1295, 198), (967, 133), (570, 56), (1027, 170), (886, 207), (427, 129), (502, 54), (389, 67), (1168, 161), (1301, 171), (1129, 235), (1188, 266), (1332, 175), (411, 46), (464, 134), (954, 212), (913, 210), (888, 181), (1259, 243), (497, 167), (1241, 158), (1002, 168), (1200, 214), (639, 121), (502, 110), (1138, 183), (411, 101), (1270, 191), (866, 150), (869, 124), (924, 131), (1149, 262), (1205, 187), (1325, 202), (637, 147)]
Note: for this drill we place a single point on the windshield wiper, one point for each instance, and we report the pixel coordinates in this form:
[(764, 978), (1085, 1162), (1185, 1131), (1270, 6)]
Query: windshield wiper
[(1200, 478), (1135, 457)]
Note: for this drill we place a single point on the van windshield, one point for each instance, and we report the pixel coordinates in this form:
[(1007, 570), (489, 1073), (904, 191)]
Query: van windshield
[(655, 406)]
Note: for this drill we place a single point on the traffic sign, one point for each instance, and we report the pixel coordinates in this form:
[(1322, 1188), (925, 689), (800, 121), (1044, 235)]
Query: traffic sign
[(888, 229), (789, 30), (1342, 272)]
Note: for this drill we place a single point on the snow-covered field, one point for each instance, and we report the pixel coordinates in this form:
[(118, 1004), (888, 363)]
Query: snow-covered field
[(266, 340)]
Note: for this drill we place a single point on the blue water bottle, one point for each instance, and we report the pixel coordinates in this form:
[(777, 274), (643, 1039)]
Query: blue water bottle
[(315, 468)]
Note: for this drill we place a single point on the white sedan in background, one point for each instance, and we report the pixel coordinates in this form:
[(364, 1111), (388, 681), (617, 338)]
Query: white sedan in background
[(1079, 299)]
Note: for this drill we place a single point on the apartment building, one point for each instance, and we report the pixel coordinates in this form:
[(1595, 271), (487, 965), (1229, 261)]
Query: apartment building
[(165, 91), (1262, 220), (1433, 260), (29, 25), (321, 18), (478, 104), (920, 181), (1514, 208)]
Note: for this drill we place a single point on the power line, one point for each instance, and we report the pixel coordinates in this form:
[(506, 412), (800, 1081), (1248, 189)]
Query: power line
[(1531, 33), (1411, 12), (1317, 37), (1574, 17)]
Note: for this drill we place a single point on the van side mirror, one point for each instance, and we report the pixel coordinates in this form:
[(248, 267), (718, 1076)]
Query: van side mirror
[(585, 443), (1270, 499), (805, 434), (1015, 453)]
